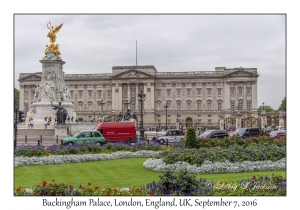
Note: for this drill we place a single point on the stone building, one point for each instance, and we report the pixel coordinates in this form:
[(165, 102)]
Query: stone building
[(223, 97)]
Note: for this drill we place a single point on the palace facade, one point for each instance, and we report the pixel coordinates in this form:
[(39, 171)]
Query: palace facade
[(201, 98)]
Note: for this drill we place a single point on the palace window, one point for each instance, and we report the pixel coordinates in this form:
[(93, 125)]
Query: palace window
[(26, 94), (80, 107), (168, 93), (209, 106), (71, 93), (99, 93), (132, 107), (188, 106), (209, 91), (232, 91), (99, 107), (90, 92), (198, 92), (219, 91), (198, 106), (158, 106), (133, 93), (178, 106), (219, 106), (109, 107), (158, 93), (90, 106), (232, 106), (125, 93), (248, 105), (109, 93), (178, 92), (240, 91), (248, 91), (240, 105), (80, 93), (188, 92)]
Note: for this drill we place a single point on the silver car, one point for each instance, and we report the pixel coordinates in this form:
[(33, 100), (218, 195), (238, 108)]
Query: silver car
[(171, 135)]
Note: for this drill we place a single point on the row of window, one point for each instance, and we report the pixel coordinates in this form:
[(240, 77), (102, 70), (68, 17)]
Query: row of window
[(209, 92), (178, 92)]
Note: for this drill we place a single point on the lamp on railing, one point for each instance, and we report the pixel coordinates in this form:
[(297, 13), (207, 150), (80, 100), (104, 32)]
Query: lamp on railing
[(101, 103), (166, 107), (142, 98)]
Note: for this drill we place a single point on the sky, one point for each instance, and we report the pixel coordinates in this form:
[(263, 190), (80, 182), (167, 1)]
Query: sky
[(94, 43)]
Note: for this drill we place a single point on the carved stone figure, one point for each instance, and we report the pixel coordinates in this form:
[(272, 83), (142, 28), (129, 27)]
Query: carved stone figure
[(37, 94), (48, 89), (61, 113), (66, 94)]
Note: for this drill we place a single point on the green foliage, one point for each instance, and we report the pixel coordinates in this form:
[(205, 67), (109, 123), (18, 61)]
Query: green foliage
[(16, 99), (190, 141), (282, 107), (168, 180), (267, 108)]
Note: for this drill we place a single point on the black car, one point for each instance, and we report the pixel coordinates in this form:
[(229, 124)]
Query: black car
[(246, 132), (220, 134)]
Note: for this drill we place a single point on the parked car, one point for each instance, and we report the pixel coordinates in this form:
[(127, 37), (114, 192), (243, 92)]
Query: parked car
[(214, 134), (118, 131), (278, 134), (246, 132), (171, 135), (85, 136), (264, 133)]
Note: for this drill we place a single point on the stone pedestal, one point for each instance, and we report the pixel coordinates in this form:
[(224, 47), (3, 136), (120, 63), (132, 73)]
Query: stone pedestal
[(263, 119), (61, 131)]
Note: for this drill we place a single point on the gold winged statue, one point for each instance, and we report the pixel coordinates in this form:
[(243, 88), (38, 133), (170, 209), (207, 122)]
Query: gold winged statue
[(52, 35)]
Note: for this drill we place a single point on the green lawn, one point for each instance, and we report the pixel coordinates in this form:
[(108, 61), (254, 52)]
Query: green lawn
[(109, 173)]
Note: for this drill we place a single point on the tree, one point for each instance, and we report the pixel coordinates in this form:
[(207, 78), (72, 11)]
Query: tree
[(191, 139), (16, 99), (267, 108), (283, 105)]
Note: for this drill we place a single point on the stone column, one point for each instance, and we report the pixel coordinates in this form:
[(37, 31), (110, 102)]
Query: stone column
[(147, 97), (152, 97), (21, 98), (113, 97), (119, 106), (263, 118), (136, 97), (254, 95), (245, 96)]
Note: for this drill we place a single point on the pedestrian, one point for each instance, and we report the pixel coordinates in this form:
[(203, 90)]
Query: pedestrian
[(72, 119), (45, 123), (68, 118), (49, 119), (28, 123), (31, 123)]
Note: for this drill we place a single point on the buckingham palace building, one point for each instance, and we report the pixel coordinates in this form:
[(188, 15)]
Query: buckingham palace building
[(198, 98)]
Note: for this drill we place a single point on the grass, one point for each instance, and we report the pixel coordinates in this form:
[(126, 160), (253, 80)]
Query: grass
[(109, 173)]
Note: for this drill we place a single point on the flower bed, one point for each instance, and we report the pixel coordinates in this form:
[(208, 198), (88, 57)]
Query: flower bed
[(169, 185), (216, 167), (63, 159), (234, 153)]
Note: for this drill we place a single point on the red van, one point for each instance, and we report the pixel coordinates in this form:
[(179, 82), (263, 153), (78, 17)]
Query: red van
[(117, 131)]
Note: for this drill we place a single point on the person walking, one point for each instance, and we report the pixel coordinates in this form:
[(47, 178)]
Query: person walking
[(28, 123), (49, 119), (31, 123), (45, 122)]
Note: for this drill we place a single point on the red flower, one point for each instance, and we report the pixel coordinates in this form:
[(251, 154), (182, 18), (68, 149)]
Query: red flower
[(44, 183), (34, 193), (96, 187), (89, 183), (52, 180)]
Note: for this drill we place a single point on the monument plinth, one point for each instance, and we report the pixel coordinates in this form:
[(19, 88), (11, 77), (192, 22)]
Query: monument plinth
[(52, 87)]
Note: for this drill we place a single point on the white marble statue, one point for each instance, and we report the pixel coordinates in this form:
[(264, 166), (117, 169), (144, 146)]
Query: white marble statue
[(37, 93), (48, 89), (66, 94)]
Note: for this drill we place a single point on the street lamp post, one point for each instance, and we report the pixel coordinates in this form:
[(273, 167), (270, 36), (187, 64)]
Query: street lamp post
[(166, 107), (94, 116), (142, 97), (263, 105), (177, 121), (101, 104)]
